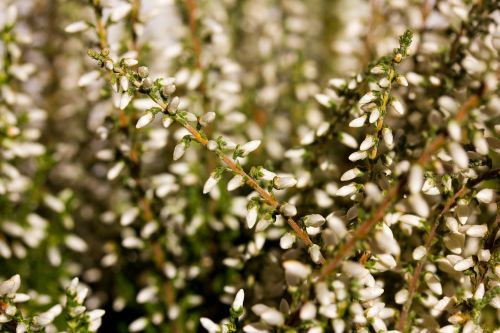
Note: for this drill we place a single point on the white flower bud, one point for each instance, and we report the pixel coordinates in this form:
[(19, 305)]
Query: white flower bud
[(401, 296), (358, 155), (454, 130), (486, 195), (125, 99), (166, 121), (367, 98), (280, 183), (419, 205), (367, 294), (210, 183), (458, 155), (207, 118), (168, 90), (109, 65), (124, 83), (387, 135), (477, 231), (179, 150), (398, 107), (383, 82), (88, 78), (10, 286), (374, 116), (348, 140), (419, 252), (234, 183), (21, 298), (314, 220), (173, 105), (76, 27), (129, 62), (211, 145), (143, 71), (43, 319), (337, 83), (379, 69), (251, 216), (401, 80), (11, 16), (249, 147), (267, 175), (145, 120), (115, 170), (287, 240), (288, 210), (138, 325), (96, 314), (480, 144), (209, 325), (238, 300), (416, 178), (75, 243), (351, 174), (367, 143), (297, 269), (433, 283), (146, 295), (346, 190), (273, 317), (324, 100), (308, 311), (464, 264), (480, 291), (358, 122), (315, 253), (21, 328)]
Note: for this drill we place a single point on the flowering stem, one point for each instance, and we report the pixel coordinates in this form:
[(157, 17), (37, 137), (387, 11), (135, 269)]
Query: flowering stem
[(393, 192), (413, 284), (235, 168)]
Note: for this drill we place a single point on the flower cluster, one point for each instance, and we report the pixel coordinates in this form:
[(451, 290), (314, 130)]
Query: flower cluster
[(249, 166)]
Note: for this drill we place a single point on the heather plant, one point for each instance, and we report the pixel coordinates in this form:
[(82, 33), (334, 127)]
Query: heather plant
[(249, 166)]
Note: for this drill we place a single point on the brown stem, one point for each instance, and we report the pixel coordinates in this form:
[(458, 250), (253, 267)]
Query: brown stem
[(192, 10), (134, 20), (268, 198)]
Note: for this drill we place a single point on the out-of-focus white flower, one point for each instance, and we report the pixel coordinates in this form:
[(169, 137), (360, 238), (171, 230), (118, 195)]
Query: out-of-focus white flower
[(76, 27), (238, 300), (9, 287), (458, 154), (486, 195), (138, 325), (249, 147), (398, 107), (273, 317), (314, 220), (209, 325)]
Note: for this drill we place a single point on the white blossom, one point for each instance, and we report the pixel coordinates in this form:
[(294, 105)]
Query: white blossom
[(145, 120)]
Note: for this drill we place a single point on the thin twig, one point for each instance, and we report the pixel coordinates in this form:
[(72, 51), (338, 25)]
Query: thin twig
[(133, 162)]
